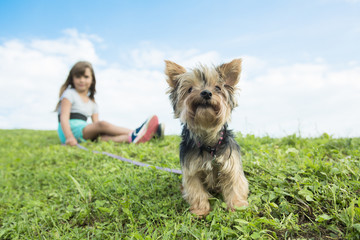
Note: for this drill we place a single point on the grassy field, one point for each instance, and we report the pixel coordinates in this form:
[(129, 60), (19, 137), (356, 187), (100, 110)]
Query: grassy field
[(300, 188)]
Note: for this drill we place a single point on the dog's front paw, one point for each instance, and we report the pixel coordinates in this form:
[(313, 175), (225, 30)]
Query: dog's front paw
[(200, 212), (238, 203), (241, 203)]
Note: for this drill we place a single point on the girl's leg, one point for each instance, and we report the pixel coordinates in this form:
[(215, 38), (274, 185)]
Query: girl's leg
[(119, 138), (108, 131), (96, 129)]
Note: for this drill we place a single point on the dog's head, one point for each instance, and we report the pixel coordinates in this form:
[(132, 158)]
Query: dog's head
[(204, 97)]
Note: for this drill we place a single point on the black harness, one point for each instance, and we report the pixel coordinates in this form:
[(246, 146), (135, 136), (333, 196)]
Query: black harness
[(213, 149), (76, 116)]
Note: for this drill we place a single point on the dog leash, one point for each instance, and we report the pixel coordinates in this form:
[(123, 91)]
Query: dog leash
[(132, 161)]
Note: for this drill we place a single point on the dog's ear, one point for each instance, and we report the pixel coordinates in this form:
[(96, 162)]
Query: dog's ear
[(172, 70), (231, 71)]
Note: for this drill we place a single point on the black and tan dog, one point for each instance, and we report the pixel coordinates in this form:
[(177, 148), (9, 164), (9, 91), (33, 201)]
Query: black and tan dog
[(203, 99)]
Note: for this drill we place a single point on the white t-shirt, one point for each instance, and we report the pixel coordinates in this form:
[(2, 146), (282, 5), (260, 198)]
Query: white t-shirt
[(77, 104)]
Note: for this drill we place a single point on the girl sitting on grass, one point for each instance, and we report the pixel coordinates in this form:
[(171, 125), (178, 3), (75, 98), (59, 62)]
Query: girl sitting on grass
[(77, 103)]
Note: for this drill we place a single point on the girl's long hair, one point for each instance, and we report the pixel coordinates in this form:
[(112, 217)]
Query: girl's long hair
[(78, 70)]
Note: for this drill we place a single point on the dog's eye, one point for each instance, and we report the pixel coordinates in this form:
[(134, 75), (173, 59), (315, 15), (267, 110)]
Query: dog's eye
[(189, 90), (218, 88)]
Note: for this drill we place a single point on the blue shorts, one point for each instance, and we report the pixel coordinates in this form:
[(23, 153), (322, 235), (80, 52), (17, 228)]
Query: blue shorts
[(77, 127)]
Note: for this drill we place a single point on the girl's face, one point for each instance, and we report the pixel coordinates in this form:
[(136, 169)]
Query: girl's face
[(83, 82)]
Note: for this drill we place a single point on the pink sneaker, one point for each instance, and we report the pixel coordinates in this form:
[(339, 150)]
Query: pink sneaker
[(146, 131)]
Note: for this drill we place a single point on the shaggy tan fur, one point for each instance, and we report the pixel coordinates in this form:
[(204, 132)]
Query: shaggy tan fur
[(204, 118)]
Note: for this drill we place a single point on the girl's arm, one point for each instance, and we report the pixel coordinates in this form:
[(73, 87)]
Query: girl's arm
[(95, 117), (65, 124)]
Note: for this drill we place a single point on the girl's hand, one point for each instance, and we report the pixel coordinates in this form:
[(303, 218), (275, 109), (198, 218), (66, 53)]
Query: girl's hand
[(71, 141)]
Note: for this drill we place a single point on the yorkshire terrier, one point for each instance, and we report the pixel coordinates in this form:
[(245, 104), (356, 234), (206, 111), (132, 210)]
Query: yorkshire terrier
[(203, 100)]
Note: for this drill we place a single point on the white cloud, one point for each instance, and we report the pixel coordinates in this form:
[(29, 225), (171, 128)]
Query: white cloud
[(31, 74), (72, 47), (277, 100), (148, 57), (306, 98), (127, 97)]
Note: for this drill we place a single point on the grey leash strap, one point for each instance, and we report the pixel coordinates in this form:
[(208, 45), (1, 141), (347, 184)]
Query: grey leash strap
[(132, 161)]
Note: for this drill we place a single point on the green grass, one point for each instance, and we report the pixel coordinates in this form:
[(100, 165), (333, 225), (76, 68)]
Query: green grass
[(300, 188)]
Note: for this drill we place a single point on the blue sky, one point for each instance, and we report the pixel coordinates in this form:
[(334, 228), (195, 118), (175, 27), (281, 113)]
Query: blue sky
[(276, 29), (301, 68)]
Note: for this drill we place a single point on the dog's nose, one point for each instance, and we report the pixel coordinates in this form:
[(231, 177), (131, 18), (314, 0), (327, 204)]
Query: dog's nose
[(206, 94)]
